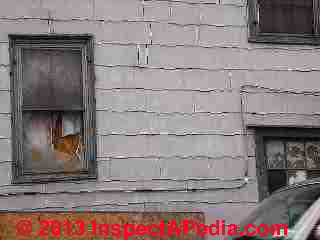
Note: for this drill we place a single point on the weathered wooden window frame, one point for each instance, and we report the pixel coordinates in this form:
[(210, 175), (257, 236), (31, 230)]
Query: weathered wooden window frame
[(263, 133), (256, 36), (83, 43)]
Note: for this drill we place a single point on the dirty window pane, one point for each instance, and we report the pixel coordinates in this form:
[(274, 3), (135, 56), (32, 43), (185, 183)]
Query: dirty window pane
[(313, 154), (52, 141), (296, 176), (276, 179), (286, 16), (313, 174), (275, 154), (295, 155), (51, 79)]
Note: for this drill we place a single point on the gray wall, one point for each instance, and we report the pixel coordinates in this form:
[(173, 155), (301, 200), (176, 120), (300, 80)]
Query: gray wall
[(171, 115)]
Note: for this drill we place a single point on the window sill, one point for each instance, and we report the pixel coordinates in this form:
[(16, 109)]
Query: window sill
[(285, 39), (28, 179)]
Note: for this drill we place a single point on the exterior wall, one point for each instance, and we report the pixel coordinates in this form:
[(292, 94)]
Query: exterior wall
[(177, 83)]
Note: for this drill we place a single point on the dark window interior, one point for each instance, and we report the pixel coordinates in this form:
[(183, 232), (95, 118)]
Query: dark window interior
[(52, 79), (286, 16)]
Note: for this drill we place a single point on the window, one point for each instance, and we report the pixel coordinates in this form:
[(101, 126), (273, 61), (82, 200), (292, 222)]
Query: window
[(53, 107), (286, 157), (285, 21)]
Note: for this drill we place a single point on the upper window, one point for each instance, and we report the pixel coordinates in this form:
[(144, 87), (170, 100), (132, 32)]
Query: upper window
[(284, 21), (286, 157), (53, 107)]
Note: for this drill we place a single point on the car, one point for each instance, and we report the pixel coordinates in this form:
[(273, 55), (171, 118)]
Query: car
[(296, 207)]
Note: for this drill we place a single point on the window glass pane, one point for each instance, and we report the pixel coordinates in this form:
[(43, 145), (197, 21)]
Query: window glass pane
[(286, 16), (276, 179), (296, 176), (313, 174), (52, 141), (275, 154), (295, 155), (313, 154), (52, 79)]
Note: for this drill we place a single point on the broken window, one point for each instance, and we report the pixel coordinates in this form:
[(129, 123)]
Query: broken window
[(53, 141), (53, 103), (285, 21)]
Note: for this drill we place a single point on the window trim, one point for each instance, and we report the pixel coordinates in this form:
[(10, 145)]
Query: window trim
[(83, 43), (262, 133), (255, 36)]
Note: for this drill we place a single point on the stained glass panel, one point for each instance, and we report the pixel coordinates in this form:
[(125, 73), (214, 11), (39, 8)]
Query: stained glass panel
[(295, 155), (275, 154), (313, 155)]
